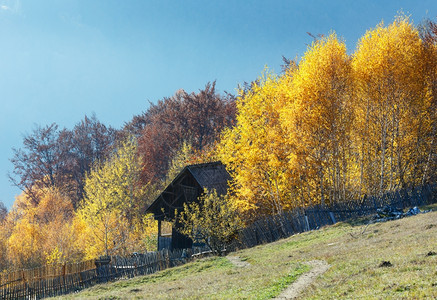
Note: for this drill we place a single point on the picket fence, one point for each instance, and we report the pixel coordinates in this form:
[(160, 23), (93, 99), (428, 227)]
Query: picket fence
[(55, 280), (299, 220)]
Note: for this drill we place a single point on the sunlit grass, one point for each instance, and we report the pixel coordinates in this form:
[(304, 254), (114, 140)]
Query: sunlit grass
[(209, 278), (355, 253), (356, 259)]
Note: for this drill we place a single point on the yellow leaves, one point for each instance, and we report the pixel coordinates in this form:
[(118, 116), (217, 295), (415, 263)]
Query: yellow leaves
[(181, 159), (25, 243), (55, 256), (317, 119), (213, 220), (115, 183), (37, 230), (391, 105), (146, 233), (254, 149), (110, 215), (335, 126), (389, 52)]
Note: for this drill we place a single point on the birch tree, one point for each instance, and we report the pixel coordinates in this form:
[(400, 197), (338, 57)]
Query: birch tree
[(113, 202), (317, 121), (391, 107)]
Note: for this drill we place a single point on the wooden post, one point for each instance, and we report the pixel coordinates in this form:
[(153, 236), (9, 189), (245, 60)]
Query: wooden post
[(307, 224), (159, 234), (331, 214)]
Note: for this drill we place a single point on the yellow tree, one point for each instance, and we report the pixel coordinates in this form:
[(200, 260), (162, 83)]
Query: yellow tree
[(41, 232), (54, 215), (212, 220), (254, 150), (112, 204), (4, 234), (317, 121), (24, 244), (3, 246), (391, 104), (429, 38)]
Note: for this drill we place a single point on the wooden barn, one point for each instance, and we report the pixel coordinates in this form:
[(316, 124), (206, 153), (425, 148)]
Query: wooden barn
[(186, 187)]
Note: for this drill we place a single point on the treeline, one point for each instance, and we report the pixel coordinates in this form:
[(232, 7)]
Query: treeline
[(85, 189), (332, 127)]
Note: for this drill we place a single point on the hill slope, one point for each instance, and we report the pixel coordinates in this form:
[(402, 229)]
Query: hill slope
[(396, 259)]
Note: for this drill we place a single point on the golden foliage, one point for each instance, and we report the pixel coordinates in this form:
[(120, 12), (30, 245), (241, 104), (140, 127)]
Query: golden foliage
[(110, 216), (212, 220), (391, 107), (336, 127), (254, 149), (39, 230), (317, 122)]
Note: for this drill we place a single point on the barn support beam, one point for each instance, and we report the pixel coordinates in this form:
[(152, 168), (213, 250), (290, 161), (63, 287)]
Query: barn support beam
[(159, 232)]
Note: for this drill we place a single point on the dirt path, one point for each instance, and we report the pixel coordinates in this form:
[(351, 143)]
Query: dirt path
[(293, 291), (236, 261)]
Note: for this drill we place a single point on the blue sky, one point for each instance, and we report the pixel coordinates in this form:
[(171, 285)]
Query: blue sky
[(63, 59)]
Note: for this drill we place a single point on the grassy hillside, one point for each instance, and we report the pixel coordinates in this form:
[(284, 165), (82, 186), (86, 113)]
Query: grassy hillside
[(356, 253)]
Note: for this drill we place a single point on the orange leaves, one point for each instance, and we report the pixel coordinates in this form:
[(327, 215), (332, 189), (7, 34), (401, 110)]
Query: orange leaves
[(25, 243), (54, 206), (40, 230)]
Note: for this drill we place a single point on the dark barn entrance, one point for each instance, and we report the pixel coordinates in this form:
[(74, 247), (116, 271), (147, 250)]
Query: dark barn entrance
[(186, 187)]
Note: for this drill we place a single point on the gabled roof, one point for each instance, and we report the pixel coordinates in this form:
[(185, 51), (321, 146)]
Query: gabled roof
[(211, 176), (188, 185)]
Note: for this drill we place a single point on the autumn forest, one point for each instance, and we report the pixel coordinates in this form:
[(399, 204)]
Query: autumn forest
[(333, 126)]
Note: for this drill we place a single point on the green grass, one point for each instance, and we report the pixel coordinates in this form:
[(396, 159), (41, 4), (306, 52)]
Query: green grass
[(354, 251)]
